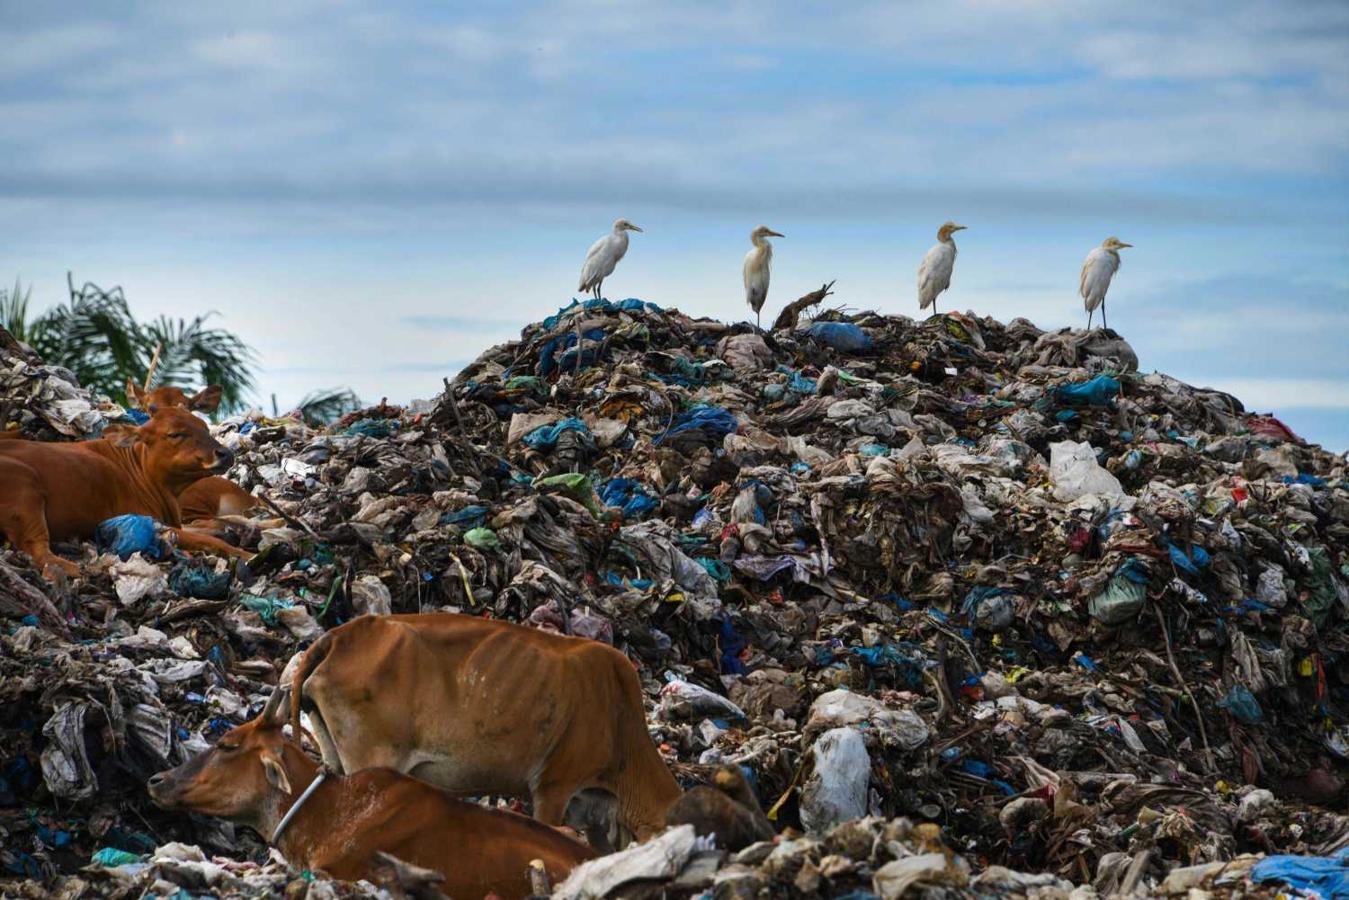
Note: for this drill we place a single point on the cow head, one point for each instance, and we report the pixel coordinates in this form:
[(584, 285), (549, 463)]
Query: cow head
[(206, 400), (178, 448), (243, 778)]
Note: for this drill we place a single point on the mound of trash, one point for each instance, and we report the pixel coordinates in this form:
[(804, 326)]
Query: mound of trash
[(978, 608)]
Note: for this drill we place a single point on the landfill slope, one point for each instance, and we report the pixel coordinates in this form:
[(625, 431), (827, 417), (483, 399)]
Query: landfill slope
[(1044, 620)]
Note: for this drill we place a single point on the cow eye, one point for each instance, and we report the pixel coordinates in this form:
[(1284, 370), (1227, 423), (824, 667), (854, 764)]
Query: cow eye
[(178, 435), (227, 748)]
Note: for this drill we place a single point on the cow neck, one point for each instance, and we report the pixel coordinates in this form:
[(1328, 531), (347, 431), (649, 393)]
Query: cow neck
[(303, 773), (158, 495)]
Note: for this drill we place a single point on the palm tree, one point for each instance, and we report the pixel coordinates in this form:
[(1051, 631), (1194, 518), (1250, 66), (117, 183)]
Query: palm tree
[(326, 407), (98, 339)]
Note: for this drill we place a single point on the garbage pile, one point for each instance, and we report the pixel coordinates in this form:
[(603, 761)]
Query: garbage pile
[(46, 402), (965, 600)]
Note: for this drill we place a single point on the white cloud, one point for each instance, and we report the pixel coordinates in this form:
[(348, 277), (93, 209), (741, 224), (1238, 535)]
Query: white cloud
[(241, 49)]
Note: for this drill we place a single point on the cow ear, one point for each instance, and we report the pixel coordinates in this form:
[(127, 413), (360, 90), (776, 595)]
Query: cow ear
[(206, 400), (121, 435), (133, 394), (276, 772)]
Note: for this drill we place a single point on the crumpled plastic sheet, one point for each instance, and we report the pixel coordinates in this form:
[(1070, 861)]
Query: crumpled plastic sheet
[(65, 763)]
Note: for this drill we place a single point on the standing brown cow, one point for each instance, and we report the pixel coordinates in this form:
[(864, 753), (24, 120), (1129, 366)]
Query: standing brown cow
[(58, 491), (485, 707)]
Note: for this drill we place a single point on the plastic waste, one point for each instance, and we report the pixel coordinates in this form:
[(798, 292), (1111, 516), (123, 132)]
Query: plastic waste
[(1099, 391), (836, 791), (843, 336), (129, 534), (1075, 472), (685, 700)]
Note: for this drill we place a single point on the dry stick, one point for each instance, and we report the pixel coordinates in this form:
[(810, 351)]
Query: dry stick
[(1135, 871), (578, 351), (1180, 679), (538, 879), (454, 406), (288, 517), (154, 364)]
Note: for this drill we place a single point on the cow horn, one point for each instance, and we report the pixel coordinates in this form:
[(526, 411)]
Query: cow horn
[(271, 713)]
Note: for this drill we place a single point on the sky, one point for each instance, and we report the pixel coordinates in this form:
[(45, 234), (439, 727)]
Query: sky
[(370, 194)]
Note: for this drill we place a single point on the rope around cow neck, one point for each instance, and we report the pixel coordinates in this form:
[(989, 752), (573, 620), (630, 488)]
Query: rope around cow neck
[(295, 807)]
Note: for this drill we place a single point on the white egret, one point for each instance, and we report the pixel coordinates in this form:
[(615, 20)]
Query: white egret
[(604, 255), (934, 275), (758, 262), (1101, 266)]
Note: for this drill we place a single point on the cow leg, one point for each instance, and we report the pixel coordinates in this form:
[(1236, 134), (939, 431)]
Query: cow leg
[(196, 540), (550, 803), (327, 746), (23, 520)]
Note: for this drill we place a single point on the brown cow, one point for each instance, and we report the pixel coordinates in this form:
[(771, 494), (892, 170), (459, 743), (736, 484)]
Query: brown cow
[(58, 491), (210, 497), (254, 775), (485, 707)]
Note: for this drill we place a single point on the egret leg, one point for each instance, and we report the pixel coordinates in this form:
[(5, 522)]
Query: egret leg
[(1090, 313), (757, 323), (1104, 323)]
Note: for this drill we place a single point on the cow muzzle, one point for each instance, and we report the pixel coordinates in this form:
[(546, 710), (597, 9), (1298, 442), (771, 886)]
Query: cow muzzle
[(224, 459), (160, 786)]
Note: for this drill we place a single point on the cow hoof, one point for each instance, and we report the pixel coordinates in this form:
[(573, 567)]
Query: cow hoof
[(58, 570)]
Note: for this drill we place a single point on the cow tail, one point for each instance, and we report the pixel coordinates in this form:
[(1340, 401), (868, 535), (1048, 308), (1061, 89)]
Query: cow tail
[(317, 653)]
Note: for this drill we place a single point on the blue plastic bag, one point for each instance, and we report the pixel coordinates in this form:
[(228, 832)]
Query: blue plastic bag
[(1196, 560), (125, 535), (196, 578), (629, 496), (469, 517), (1327, 876), (842, 336), (712, 420), (375, 428), (545, 436), (1099, 391), (1243, 706)]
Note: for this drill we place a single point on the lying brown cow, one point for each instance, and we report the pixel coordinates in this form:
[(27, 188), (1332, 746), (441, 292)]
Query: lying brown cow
[(254, 776), (486, 707), (213, 496), (57, 491)]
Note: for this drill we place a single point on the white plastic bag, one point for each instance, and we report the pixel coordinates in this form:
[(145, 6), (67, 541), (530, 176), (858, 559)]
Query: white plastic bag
[(1075, 472), (837, 790), (685, 700)]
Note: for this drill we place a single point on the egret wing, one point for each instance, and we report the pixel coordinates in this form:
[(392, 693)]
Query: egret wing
[(592, 269), (934, 275)]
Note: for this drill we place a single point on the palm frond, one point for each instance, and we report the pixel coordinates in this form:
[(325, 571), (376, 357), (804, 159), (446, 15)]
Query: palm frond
[(14, 310), (98, 339), (327, 406)]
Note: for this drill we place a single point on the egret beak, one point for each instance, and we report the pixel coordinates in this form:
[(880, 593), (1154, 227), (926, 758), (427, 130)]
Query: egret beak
[(632, 227), (959, 227), (774, 234), (1122, 244)]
